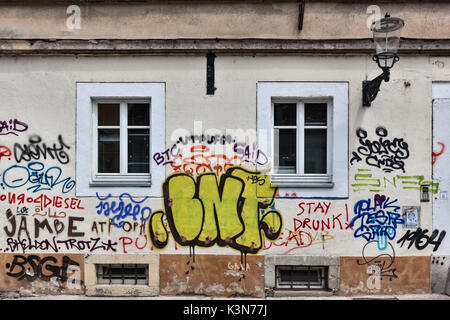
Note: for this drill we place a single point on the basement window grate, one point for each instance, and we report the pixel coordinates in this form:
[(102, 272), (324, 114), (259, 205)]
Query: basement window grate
[(301, 278), (127, 274)]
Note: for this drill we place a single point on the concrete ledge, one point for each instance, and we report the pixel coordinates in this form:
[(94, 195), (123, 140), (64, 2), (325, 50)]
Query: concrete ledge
[(201, 46), (203, 298), (447, 285), (121, 291), (301, 293), (440, 273)]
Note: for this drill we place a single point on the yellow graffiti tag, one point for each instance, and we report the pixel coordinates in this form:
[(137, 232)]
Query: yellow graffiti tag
[(232, 211)]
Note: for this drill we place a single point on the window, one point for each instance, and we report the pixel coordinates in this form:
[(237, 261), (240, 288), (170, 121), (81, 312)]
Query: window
[(301, 272), (301, 278), (121, 141), (300, 138), (303, 126), (130, 274), (121, 274), (119, 126)]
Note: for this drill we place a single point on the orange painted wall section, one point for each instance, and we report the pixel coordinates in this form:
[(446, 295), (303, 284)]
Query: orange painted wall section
[(218, 275), (404, 275)]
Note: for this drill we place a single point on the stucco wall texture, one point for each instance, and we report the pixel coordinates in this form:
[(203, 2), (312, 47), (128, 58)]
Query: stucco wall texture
[(51, 238), (208, 19), (40, 92)]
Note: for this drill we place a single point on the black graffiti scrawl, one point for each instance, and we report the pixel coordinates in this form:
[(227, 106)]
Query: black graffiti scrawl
[(382, 152), (32, 267)]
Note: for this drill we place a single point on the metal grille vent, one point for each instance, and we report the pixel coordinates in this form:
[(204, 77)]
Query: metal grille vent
[(122, 274), (301, 277)]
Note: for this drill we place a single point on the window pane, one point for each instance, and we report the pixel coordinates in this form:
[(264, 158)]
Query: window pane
[(315, 114), (285, 114), (316, 278), (301, 277), (108, 114), (285, 151), (138, 114), (284, 276), (108, 151), (315, 151), (138, 151), (304, 276)]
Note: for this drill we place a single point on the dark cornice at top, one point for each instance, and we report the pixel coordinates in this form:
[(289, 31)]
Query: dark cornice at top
[(223, 46)]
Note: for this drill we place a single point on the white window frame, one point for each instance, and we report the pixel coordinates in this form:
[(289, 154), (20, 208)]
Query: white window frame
[(335, 182), (124, 178), (89, 181), (300, 137)]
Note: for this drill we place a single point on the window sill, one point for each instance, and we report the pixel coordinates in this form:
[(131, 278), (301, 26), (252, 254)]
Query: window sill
[(121, 181), (302, 181), (303, 293), (119, 184), (121, 290)]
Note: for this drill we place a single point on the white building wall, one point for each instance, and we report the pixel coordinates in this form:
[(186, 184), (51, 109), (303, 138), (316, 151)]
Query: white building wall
[(41, 92)]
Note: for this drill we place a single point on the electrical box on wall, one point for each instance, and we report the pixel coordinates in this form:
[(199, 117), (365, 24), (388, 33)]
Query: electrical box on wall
[(424, 193), (411, 216)]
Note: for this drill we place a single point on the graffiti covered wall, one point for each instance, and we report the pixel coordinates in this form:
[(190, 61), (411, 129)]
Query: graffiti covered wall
[(218, 214)]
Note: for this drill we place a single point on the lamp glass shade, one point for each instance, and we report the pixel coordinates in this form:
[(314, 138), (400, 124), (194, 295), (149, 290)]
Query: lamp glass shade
[(386, 36)]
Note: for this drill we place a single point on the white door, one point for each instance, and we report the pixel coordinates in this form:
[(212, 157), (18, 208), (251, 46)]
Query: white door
[(441, 171)]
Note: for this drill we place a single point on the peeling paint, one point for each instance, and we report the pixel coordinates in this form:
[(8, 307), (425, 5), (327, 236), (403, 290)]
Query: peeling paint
[(176, 285)]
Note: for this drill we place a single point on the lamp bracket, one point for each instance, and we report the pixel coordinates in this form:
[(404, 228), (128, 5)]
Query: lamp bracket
[(370, 88)]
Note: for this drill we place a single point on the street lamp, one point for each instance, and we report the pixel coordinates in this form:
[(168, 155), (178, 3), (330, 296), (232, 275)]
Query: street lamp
[(386, 36)]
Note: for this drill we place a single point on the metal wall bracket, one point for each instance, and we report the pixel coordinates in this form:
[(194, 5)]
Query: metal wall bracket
[(301, 14), (370, 88), (210, 73)]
